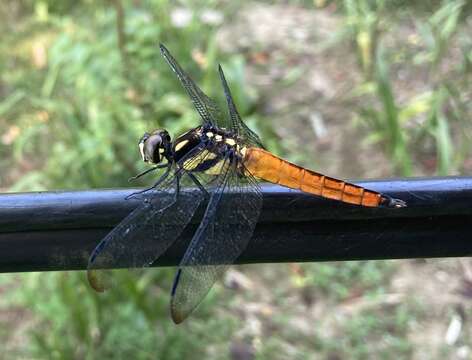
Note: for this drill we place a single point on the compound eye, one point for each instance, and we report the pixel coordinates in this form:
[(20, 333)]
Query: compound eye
[(151, 149)]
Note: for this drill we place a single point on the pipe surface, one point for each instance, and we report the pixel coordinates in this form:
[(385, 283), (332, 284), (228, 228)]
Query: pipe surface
[(58, 230)]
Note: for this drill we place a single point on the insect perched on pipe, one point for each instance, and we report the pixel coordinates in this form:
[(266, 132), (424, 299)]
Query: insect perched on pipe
[(224, 159)]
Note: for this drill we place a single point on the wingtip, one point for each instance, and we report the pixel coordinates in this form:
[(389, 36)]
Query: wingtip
[(177, 317), (223, 79), (94, 281), (222, 74), (163, 48)]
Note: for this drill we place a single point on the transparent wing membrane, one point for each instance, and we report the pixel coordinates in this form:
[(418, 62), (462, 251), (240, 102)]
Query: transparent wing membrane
[(223, 234), (205, 106), (234, 203), (237, 125), (148, 231)]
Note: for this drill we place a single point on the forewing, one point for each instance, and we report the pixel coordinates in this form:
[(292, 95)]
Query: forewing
[(223, 234), (144, 234), (237, 125), (205, 106), (148, 231)]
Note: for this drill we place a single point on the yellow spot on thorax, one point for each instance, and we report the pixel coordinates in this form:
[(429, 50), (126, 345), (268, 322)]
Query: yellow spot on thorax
[(193, 162), (218, 138), (181, 144)]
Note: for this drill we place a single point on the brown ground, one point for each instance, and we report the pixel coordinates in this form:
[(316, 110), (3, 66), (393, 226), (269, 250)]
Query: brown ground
[(313, 116)]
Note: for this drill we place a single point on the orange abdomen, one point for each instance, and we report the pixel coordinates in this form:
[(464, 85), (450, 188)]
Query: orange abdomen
[(266, 166)]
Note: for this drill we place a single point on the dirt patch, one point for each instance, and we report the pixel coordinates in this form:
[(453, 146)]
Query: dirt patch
[(304, 87)]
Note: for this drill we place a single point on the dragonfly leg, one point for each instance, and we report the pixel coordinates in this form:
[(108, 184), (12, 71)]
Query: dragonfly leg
[(176, 193), (156, 184), (199, 185), (160, 166), (177, 186)]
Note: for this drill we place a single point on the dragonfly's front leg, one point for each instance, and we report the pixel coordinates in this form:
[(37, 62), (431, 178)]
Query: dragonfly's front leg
[(156, 184), (199, 185), (177, 177), (160, 166)]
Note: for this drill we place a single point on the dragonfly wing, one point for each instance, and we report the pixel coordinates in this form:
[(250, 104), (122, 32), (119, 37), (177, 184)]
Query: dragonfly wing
[(237, 125), (205, 106), (223, 234), (144, 234), (148, 231)]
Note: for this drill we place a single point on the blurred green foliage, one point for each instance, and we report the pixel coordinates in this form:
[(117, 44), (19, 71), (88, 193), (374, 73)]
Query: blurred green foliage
[(100, 92), (78, 127), (341, 280), (72, 114), (386, 118), (130, 321)]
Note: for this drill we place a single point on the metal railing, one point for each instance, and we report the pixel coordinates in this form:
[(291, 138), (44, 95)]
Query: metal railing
[(58, 230)]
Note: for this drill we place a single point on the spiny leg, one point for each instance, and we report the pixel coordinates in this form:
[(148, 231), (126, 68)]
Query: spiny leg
[(156, 184), (199, 185), (160, 166)]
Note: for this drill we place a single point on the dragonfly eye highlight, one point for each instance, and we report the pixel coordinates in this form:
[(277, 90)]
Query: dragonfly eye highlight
[(141, 145)]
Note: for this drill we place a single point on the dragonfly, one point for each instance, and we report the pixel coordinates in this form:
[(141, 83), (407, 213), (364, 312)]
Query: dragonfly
[(224, 160)]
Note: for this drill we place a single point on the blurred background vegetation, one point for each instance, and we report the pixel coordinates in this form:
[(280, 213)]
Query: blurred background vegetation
[(354, 89)]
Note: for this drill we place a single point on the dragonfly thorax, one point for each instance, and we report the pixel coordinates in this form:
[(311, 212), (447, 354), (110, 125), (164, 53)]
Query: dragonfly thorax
[(155, 146), (216, 148)]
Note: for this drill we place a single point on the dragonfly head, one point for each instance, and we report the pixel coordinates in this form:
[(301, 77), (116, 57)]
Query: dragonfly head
[(155, 147)]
